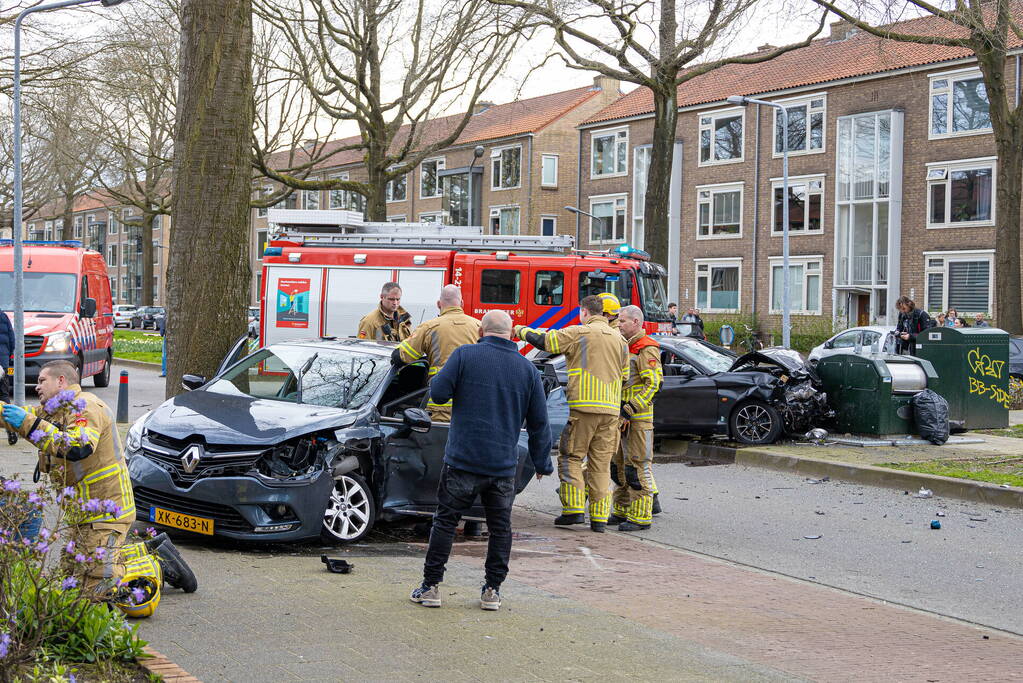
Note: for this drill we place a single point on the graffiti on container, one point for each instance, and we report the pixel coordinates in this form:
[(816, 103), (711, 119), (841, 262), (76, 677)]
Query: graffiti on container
[(982, 364), (992, 391)]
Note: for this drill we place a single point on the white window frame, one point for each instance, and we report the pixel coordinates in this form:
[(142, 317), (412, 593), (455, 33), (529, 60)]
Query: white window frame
[(776, 184), (949, 167), (548, 217), (89, 220), (947, 257), (712, 263), (802, 100), (156, 252), (707, 122), (77, 234), (614, 200), (637, 230), (389, 189), (438, 217), (112, 262), (306, 194), (344, 193), (397, 218), (777, 261), (113, 287), (618, 140), (125, 213), (544, 158), (440, 166), (265, 191), (48, 230), (950, 77), (111, 223), (495, 212), (497, 179), (719, 188)]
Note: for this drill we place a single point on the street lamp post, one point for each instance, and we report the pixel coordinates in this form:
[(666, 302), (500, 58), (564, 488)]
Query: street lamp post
[(585, 213), (785, 304), (19, 276)]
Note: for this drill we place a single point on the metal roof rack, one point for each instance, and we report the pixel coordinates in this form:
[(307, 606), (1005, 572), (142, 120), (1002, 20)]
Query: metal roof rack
[(346, 228)]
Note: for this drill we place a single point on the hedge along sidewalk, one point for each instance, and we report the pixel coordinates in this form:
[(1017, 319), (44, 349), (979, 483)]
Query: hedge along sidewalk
[(862, 464)]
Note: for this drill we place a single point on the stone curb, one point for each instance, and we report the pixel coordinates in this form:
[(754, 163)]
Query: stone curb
[(165, 668), (977, 491), (134, 364)]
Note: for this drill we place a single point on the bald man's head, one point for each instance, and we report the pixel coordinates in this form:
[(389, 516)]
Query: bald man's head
[(496, 324), (450, 295)]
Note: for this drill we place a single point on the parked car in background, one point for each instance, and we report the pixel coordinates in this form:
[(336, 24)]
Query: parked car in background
[(847, 340), (253, 321), (145, 318), (123, 313), (299, 440)]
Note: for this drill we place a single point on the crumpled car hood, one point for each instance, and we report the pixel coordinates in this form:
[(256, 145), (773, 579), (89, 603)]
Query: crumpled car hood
[(242, 420), (785, 359)]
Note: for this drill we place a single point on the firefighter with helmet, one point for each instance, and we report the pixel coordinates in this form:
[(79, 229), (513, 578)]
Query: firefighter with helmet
[(80, 450), (632, 467), (436, 339), (598, 362), (388, 321)]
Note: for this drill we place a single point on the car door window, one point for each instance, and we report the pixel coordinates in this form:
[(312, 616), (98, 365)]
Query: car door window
[(846, 340), (870, 337)]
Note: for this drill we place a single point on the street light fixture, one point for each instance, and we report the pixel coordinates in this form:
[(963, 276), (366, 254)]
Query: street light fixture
[(19, 276), (477, 152), (585, 213), (785, 304)]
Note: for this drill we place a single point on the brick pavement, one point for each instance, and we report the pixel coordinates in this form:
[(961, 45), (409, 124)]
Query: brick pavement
[(802, 629)]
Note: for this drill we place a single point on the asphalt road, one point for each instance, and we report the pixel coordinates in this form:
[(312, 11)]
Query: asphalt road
[(872, 541), (145, 389)]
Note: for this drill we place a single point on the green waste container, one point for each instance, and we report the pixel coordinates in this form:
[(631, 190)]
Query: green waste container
[(871, 394), (973, 374)]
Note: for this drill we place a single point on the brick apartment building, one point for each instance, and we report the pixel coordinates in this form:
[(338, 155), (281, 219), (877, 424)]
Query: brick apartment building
[(520, 185), (892, 181), (102, 224)]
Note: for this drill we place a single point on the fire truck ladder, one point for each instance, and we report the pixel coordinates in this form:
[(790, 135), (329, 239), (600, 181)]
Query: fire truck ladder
[(346, 229)]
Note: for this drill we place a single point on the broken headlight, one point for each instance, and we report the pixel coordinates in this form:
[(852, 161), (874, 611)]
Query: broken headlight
[(294, 459)]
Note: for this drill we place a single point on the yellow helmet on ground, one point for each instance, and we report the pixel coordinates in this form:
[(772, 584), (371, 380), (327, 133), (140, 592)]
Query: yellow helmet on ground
[(612, 306), (138, 591)]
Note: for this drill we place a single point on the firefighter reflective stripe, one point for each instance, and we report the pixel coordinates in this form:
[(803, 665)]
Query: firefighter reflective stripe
[(551, 339), (641, 510), (83, 490), (600, 510), (133, 551), (144, 564), (407, 350), (641, 395), (53, 440), (573, 500), (594, 393)]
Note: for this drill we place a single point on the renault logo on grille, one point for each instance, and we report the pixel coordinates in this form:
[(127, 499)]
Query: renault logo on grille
[(190, 457)]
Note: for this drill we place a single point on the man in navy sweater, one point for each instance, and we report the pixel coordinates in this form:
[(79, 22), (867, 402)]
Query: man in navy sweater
[(495, 390)]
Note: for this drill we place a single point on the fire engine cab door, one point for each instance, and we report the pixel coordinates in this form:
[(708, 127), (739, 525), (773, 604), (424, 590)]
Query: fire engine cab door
[(292, 303)]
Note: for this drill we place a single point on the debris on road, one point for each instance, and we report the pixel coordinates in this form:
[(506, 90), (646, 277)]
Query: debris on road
[(336, 565), (812, 538), (924, 493), (935, 524), (939, 513)]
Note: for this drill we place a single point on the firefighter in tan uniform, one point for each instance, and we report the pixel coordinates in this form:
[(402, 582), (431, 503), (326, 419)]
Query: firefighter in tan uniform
[(598, 361), (79, 448), (388, 321), (612, 307), (436, 339), (632, 468)]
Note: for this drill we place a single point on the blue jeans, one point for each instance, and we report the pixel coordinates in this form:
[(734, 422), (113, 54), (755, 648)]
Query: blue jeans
[(456, 493), (163, 357)]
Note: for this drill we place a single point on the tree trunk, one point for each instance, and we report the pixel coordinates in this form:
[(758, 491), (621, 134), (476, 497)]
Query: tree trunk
[(376, 202), (147, 258), (209, 269), (66, 231), (1007, 228), (658, 188)]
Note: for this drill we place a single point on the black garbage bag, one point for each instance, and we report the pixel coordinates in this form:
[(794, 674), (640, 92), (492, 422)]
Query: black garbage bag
[(930, 411)]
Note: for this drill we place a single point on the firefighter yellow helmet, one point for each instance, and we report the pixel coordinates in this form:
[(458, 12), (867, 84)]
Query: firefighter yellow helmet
[(138, 592), (611, 304)]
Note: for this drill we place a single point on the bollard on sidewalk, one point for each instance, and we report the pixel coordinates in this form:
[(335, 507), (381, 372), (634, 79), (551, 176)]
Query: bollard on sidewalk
[(122, 398)]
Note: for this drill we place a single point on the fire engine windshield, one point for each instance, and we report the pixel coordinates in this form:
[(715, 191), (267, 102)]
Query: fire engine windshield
[(655, 298), (44, 292)]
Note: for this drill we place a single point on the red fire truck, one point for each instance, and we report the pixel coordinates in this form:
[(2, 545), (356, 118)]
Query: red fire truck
[(323, 272)]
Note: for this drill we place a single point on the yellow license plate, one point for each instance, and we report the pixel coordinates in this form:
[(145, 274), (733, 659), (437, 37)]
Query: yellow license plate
[(200, 525)]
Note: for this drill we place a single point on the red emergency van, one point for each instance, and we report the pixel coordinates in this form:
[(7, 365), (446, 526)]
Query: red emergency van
[(321, 284), (68, 308)]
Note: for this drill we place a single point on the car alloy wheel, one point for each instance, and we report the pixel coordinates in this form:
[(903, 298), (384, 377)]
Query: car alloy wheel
[(349, 515), (756, 422)]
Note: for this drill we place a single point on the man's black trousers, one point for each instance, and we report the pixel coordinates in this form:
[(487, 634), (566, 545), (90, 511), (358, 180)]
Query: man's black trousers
[(455, 495)]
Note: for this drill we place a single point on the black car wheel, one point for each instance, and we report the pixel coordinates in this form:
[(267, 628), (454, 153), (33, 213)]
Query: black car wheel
[(350, 512), (102, 379), (755, 422)]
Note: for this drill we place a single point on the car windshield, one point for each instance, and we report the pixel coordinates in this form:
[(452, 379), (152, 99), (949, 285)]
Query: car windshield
[(154, 309), (655, 298), (49, 292), (334, 378), (707, 358)]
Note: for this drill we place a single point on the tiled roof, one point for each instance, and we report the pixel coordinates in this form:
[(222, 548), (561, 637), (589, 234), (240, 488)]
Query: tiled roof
[(496, 122), (824, 60)]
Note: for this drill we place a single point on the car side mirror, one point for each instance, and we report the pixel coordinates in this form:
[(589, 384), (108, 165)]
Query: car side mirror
[(416, 419), (190, 382), (686, 369), (829, 344), (88, 309)]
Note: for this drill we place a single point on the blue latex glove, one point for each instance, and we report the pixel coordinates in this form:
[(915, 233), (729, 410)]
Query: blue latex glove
[(14, 415)]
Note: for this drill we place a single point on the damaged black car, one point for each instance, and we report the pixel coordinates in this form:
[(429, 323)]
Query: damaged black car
[(754, 399), (299, 440)]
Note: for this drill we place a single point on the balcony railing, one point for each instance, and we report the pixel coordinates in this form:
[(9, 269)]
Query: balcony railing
[(860, 271)]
